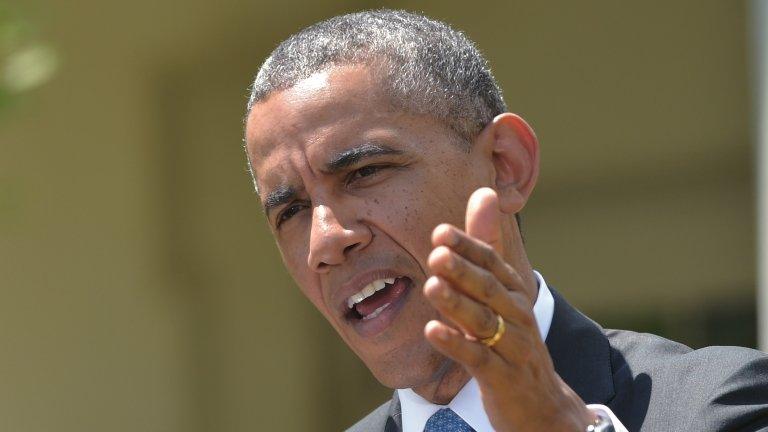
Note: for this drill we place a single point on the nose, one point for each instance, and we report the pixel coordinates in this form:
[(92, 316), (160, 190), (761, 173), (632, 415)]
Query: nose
[(330, 242)]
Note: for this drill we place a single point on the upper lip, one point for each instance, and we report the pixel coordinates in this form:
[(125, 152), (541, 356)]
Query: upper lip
[(359, 281)]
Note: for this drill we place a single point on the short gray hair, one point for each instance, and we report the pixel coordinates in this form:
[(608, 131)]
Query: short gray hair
[(427, 67)]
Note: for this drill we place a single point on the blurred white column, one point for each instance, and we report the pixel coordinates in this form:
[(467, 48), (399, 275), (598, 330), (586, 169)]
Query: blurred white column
[(759, 21)]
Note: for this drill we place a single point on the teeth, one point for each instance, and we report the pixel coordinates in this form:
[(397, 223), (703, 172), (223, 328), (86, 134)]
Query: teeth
[(359, 297), (368, 291), (375, 313)]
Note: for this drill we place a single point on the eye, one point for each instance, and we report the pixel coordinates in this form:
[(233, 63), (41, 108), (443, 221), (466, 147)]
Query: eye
[(288, 213), (366, 171)]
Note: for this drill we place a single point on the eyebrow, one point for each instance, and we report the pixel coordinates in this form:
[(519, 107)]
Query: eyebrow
[(281, 195), (285, 194), (354, 155)]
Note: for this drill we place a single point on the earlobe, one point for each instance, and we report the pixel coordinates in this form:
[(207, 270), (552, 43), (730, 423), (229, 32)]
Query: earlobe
[(515, 152)]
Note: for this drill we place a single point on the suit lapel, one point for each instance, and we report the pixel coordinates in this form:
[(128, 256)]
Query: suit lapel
[(580, 353)]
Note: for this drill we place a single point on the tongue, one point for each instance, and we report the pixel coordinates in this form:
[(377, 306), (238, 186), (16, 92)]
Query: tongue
[(388, 294)]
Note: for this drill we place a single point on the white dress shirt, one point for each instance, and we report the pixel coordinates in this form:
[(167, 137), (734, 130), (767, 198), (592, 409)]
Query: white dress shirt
[(468, 403)]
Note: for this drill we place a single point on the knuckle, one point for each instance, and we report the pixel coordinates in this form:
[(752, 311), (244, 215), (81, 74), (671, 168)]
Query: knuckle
[(488, 256), (516, 278), (519, 301), (509, 276), (488, 320), (481, 358), (527, 319), (522, 310), (489, 286)]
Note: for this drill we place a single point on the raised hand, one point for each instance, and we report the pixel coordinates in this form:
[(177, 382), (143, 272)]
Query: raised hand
[(473, 287)]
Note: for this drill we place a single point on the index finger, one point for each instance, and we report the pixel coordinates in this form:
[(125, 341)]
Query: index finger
[(479, 253)]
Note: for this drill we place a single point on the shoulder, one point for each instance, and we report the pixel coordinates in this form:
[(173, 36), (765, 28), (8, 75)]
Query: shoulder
[(375, 421), (643, 349), (714, 388), (651, 353)]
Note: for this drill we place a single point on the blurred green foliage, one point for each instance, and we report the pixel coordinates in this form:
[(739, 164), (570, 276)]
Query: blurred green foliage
[(26, 62)]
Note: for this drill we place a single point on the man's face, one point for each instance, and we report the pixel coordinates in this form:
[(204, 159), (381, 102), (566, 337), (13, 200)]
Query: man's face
[(352, 190)]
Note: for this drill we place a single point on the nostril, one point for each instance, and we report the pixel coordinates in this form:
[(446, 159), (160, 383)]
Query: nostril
[(350, 248)]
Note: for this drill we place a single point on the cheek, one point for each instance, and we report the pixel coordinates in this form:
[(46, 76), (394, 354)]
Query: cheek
[(295, 261), (410, 209)]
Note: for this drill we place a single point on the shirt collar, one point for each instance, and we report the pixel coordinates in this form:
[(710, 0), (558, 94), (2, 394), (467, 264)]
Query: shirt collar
[(468, 403)]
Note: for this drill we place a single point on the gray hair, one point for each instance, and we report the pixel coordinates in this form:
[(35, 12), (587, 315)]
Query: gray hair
[(426, 66)]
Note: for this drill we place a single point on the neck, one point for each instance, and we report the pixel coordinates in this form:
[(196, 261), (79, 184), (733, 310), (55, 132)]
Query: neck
[(451, 378), (514, 254)]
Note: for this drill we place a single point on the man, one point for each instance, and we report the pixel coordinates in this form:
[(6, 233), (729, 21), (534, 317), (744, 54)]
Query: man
[(392, 175)]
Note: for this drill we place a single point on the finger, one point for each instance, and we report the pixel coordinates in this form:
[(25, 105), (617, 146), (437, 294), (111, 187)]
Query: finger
[(479, 360), (480, 284), (479, 321), (473, 318), (483, 218), (479, 253)]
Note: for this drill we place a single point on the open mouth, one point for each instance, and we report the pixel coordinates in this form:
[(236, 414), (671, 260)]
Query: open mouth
[(376, 297)]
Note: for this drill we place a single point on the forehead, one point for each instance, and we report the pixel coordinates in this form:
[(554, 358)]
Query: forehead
[(339, 99), (297, 130)]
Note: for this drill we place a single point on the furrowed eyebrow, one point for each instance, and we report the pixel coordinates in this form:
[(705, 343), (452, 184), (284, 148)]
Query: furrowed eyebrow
[(281, 195), (356, 154), (285, 194)]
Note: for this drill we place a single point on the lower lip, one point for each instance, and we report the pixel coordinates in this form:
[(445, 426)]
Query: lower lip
[(374, 326)]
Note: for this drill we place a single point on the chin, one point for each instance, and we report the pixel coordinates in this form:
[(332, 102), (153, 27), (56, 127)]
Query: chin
[(408, 370)]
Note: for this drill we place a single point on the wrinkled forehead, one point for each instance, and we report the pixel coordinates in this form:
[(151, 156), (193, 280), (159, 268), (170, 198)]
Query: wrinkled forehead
[(315, 117)]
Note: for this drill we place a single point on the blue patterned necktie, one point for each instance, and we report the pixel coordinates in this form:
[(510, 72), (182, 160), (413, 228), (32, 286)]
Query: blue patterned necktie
[(446, 420)]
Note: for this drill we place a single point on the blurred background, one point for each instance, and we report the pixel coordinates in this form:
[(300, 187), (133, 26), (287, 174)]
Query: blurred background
[(142, 291)]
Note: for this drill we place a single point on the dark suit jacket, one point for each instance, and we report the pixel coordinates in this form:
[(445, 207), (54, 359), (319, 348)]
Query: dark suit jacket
[(650, 383)]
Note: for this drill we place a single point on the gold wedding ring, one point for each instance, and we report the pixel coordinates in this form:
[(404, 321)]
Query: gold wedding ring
[(500, 328)]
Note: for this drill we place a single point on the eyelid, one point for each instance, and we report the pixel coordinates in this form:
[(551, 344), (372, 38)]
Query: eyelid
[(379, 166), (279, 214)]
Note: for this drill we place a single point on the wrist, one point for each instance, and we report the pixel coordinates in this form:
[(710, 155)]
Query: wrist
[(580, 415)]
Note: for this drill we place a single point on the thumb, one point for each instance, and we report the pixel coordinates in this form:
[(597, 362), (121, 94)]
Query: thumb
[(483, 220)]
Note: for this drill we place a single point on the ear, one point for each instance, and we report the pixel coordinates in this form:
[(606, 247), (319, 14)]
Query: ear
[(514, 150)]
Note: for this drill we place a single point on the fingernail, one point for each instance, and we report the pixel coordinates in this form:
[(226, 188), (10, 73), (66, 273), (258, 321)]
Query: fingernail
[(431, 283)]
